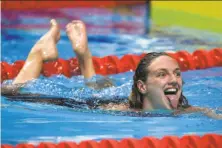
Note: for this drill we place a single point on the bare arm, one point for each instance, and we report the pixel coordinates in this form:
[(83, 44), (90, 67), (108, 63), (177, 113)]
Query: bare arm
[(13, 89), (208, 112), (100, 83)]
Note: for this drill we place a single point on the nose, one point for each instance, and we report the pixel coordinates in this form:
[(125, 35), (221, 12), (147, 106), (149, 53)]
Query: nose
[(173, 80)]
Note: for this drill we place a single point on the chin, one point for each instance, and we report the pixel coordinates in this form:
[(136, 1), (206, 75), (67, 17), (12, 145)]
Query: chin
[(172, 100)]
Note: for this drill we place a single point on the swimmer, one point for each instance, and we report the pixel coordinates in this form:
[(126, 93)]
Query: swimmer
[(157, 82)]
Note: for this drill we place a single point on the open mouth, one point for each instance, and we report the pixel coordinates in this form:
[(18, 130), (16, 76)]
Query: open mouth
[(170, 91), (171, 95)]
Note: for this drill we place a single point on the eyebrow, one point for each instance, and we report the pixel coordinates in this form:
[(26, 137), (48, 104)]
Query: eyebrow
[(163, 69), (177, 69)]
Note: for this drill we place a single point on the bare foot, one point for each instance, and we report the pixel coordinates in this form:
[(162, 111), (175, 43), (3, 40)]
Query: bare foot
[(76, 32), (47, 43)]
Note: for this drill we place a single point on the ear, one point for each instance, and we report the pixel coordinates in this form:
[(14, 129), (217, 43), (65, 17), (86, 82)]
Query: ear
[(141, 87)]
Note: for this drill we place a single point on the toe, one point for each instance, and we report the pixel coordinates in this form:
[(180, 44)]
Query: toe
[(77, 22), (74, 21), (53, 22), (68, 25)]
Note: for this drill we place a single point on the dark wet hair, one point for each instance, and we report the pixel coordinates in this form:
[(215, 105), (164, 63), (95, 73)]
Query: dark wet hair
[(141, 73)]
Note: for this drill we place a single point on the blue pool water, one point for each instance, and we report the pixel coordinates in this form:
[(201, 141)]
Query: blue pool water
[(35, 122)]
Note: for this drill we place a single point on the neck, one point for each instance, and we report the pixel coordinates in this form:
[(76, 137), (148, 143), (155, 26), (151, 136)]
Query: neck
[(147, 104)]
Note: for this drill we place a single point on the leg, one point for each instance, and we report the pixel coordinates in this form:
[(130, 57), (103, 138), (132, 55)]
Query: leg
[(43, 50), (76, 32)]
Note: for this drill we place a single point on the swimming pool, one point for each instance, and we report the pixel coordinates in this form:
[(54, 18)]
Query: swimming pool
[(34, 122)]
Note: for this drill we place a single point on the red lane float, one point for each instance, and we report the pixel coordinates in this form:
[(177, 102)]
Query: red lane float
[(187, 141), (199, 59), (40, 4), (60, 66)]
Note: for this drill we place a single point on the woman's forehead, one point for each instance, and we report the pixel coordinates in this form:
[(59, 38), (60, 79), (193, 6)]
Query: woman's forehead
[(163, 62)]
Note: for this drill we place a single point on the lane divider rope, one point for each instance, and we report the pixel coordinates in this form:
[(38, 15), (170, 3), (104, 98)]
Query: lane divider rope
[(186, 141), (199, 59)]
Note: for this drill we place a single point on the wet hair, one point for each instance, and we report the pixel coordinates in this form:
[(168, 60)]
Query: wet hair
[(141, 73)]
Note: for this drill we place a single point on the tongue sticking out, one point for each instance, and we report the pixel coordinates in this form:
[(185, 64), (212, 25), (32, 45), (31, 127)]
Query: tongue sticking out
[(173, 100)]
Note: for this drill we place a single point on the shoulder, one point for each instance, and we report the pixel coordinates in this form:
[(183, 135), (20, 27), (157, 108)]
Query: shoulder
[(190, 109), (12, 89), (115, 106)]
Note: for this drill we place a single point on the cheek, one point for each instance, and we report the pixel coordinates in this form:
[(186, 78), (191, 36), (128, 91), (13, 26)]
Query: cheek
[(157, 82), (180, 81)]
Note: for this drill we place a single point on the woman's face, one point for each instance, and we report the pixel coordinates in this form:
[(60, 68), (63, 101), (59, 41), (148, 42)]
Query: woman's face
[(164, 83)]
